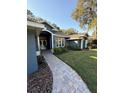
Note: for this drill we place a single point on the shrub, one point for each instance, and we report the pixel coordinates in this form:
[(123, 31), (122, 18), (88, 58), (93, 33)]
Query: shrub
[(73, 47), (59, 50), (64, 49)]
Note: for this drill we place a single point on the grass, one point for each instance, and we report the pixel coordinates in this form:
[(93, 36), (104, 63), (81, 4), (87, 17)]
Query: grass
[(85, 64)]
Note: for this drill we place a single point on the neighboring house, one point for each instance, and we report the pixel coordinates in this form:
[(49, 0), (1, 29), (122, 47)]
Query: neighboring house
[(80, 39), (42, 35)]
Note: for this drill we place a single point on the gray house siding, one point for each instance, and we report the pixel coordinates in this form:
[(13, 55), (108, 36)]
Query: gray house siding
[(31, 53), (36, 43)]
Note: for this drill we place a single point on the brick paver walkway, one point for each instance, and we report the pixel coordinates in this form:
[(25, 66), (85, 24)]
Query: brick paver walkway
[(65, 79)]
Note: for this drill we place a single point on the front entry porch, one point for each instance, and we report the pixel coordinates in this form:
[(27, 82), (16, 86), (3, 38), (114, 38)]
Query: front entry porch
[(45, 39)]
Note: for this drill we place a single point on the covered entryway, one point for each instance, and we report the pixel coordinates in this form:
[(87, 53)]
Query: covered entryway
[(45, 39)]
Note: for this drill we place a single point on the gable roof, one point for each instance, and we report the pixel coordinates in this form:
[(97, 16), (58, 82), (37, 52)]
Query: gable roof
[(78, 36), (60, 34), (40, 23), (32, 18)]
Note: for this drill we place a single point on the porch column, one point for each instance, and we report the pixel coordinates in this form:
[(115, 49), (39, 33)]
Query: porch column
[(38, 42), (81, 43), (64, 42)]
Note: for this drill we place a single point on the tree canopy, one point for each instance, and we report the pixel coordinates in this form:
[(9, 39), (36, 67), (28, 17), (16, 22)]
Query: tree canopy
[(85, 13), (69, 31), (32, 17), (29, 13)]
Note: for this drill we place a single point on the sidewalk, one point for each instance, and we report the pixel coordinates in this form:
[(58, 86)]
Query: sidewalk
[(65, 79)]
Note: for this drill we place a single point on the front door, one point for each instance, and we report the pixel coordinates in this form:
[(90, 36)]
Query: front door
[(43, 44)]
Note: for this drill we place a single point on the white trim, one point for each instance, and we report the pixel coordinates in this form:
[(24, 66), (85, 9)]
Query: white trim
[(60, 35), (64, 42), (54, 34), (38, 42), (82, 41), (33, 24), (45, 30), (81, 44)]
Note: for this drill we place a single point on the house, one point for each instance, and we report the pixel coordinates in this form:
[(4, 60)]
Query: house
[(42, 35), (80, 40)]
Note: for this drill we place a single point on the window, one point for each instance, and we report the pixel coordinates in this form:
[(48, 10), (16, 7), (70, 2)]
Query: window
[(76, 41), (60, 42)]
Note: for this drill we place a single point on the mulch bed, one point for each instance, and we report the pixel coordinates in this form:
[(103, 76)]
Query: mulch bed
[(40, 81)]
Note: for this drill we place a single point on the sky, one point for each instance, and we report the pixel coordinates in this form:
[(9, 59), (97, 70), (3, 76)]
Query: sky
[(55, 11)]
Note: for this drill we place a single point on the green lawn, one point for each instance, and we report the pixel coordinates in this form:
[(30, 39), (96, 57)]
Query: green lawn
[(85, 64)]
